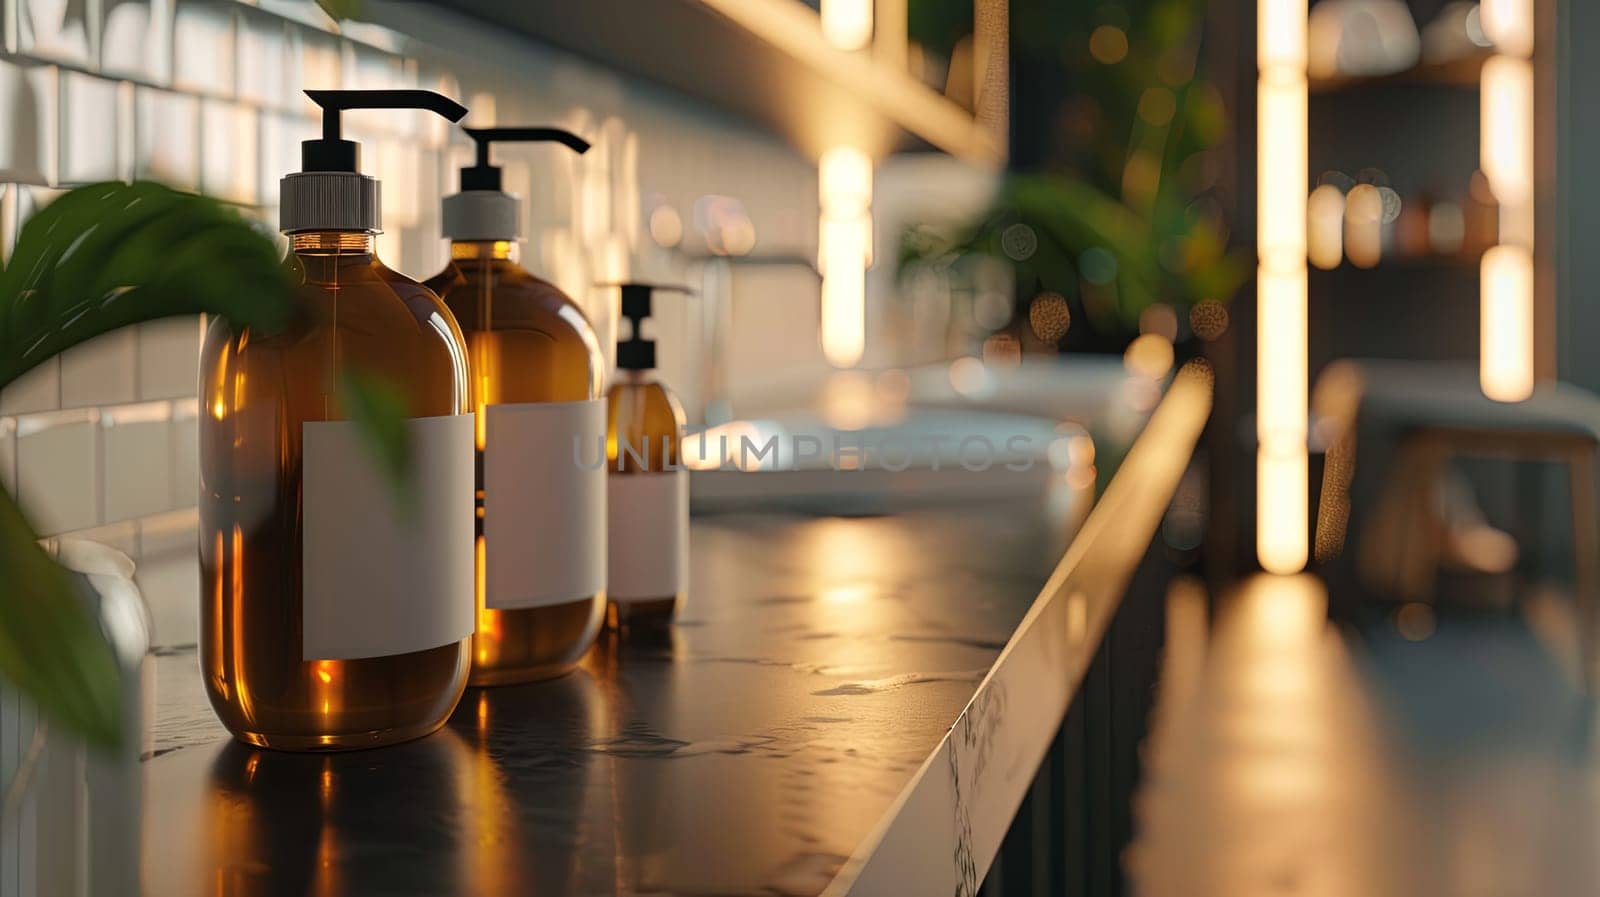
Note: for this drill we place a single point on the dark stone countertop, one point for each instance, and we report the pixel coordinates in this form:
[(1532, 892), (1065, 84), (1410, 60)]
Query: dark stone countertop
[(766, 740)]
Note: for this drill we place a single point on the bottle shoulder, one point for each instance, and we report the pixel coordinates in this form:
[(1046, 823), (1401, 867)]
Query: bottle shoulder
[(648, 396), (505, 296)]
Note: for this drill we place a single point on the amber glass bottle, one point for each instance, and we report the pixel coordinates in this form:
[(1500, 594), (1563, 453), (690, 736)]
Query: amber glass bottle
[(257, 393), (527, 343), (644, 424)]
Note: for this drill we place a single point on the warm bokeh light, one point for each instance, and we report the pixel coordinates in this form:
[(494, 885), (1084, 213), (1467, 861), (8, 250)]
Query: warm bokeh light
[(1148, 356), (666, 226), (843, 262), (1508, 24), (1281, 34), (844, 192), (1108, 44), (1325, 227), (1506, 310), (847, 24), (1282, 173), (844, 182), (1049, 316), (1506, 141), (1363, 226)]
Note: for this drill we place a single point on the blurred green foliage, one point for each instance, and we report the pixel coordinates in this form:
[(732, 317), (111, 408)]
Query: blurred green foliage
[(98, 258), (1120, 207)]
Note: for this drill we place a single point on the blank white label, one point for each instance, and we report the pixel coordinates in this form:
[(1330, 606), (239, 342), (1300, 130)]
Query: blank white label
[(544, 503), (649, 526), (380, 578)]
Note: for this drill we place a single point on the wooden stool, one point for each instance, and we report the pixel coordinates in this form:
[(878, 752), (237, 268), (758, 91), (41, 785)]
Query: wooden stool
[(1382, 420)]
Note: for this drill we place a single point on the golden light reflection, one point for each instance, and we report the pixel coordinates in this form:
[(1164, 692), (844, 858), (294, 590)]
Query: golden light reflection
[(847, 593), (486, 634)]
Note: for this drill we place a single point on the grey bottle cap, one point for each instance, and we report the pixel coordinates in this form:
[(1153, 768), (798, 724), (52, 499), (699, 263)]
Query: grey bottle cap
[(482, 215), (328, 200)]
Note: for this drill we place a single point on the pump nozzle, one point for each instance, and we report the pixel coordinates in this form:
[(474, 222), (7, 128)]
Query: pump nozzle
[(482, 211), (330, 192), (332, 152), (637, 353), (485, 176)]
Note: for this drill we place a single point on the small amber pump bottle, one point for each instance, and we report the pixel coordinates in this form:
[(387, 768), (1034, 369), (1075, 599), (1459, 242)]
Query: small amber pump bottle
[(647, 488), (537, 372), (335, 610)]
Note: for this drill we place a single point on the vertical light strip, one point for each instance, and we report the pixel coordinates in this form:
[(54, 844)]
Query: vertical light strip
[(1282, 180), (844, 250), (1506, 153), (1505, 348)]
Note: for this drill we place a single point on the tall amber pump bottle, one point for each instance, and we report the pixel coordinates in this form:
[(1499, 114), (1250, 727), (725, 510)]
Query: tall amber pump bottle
[(647, 487), (537, 372), (335, 609)]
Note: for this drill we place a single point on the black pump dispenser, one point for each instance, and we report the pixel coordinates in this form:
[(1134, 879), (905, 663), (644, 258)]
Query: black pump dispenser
[(333, 152), (484, 176), (330, 192), (637, 353), (482, 210)]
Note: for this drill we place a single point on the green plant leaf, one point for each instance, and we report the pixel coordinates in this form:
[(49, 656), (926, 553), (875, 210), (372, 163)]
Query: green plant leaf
[(50, 647), (378, 409), (340, 10), (108, 255)]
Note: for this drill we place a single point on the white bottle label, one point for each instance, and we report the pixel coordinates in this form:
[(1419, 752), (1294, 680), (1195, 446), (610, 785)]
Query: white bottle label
[(381, 578), (649, 535), (544, 503)]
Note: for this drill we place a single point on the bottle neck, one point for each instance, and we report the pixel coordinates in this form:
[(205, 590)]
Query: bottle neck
[(483, 250), (332, 242)]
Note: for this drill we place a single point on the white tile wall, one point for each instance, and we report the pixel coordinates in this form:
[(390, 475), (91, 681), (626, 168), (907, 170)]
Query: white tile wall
[(203, 47), (8, 453), (28, 108), (101, 371), (169, 366), (131, 437), (206, 95), (89, 106), (136, 40), (52, 29), (58, 479)]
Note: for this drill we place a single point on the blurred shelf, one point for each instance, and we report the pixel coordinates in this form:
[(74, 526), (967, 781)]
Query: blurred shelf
[(1409, 263), (763, 60), (1457, 74)]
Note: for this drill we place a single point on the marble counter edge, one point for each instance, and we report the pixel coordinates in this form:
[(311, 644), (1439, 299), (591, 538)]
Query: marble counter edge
[(961, 801)]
